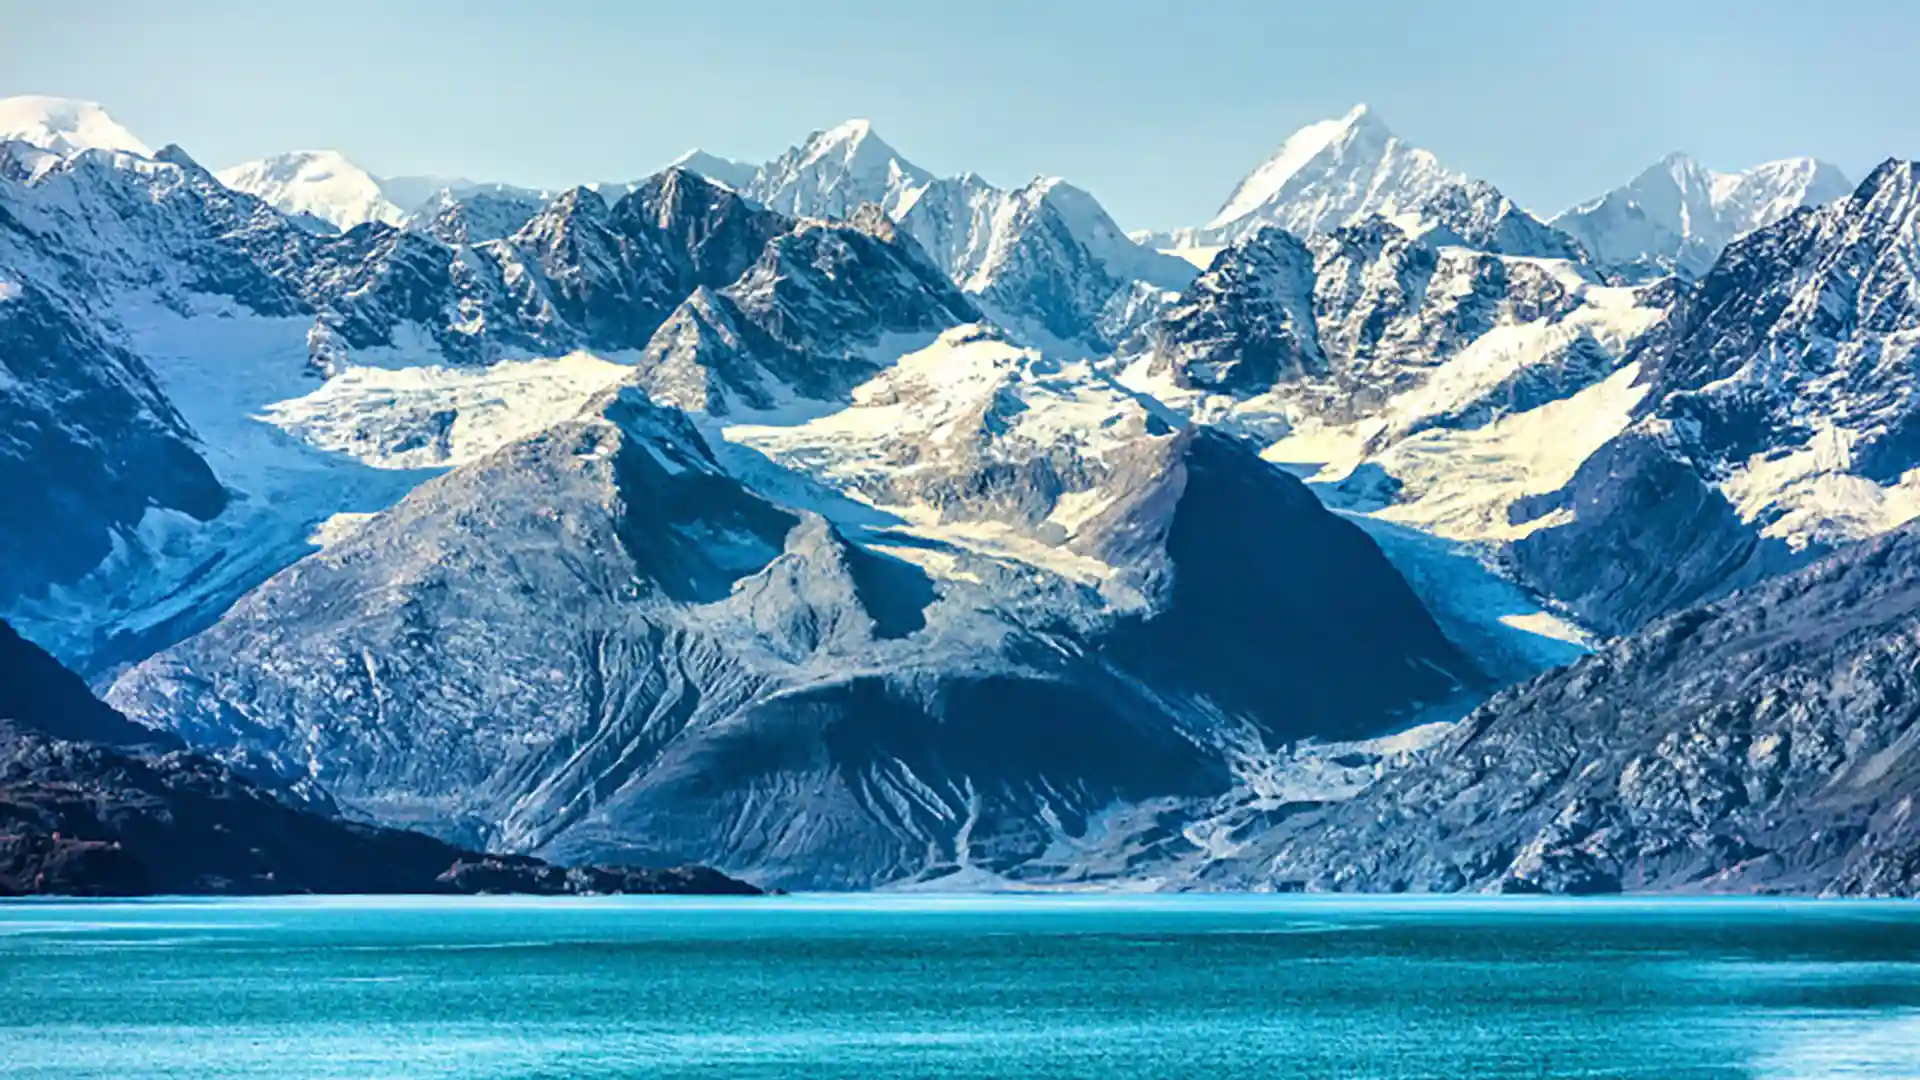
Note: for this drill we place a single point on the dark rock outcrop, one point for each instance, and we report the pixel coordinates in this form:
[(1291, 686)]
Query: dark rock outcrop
[(92, 804), (1769, 742)]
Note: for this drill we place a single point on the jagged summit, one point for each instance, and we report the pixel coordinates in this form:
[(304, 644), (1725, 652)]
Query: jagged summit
[(1677, 215), (65, 126), (833, 171)]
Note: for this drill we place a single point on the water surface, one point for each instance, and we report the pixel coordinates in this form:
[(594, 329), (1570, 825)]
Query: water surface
[(961, 987)]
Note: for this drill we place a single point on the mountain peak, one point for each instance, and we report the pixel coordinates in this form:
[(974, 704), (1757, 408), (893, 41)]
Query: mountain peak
[(323, 183), (65, 126), (1329, 173), (724, 171), (847, 138), (834, 171)]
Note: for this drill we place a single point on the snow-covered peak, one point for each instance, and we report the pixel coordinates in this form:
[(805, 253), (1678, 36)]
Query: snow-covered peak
[(1678, 215), (65, 126), (322, 183), (834, 171), (726, 172), (1329, 174), (1300, 149)]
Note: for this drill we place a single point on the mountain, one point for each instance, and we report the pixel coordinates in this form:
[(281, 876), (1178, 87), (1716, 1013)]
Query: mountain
[(1341, 172), (820, 309), (476, 213), (1044, 260), (197, 321), (321, 183), (1763, 743), (323, 186), (1778, 418), (951, 643), (1370, 324), (65, 126), (93, 804), (1625, 452), (89, 444), (737, 175), (834, 172), (1677, 216)]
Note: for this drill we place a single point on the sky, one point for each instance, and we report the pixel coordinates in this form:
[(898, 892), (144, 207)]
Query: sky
[(1157, 108)]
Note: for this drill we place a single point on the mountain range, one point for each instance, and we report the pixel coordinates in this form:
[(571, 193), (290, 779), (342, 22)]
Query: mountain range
[(840, 525)]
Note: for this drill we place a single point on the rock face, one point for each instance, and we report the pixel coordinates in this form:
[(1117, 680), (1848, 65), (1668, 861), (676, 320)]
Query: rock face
[(1677, 216), (1346, 321), (649, 660), (1778, 419), (92, 804), (88, 445), (1760, 743), (810, 317)]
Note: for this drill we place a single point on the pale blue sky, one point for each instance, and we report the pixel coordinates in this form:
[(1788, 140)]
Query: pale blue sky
[(1158, 108)]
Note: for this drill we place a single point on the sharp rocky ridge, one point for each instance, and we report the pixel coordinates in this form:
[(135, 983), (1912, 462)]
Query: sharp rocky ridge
[(840, 524)]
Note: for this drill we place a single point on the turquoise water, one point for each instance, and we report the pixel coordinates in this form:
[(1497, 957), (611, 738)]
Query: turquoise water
[(988, 987)]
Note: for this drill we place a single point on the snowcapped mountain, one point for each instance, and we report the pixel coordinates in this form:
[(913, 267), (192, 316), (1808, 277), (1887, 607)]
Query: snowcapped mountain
[(1045, 260), (1625, 451), (834, 171), (324, 186), (1426, 390), (737, 175), (65, 126), (1340, 172), (1678, 216), (897, 526), (317, 182), (822, 308), (824, 685)]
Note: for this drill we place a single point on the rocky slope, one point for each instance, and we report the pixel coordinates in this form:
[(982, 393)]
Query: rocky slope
[(834, 697), (92, 804), (1624, 451), (88, 443), (1778, 418), (1045, 261), (1761, 743)]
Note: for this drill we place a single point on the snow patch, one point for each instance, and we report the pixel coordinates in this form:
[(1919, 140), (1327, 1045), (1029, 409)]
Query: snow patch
[(436, 417)]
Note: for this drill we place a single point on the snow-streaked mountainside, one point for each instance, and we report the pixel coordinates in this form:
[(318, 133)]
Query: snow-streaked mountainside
[(1677, 216), (1045, 260), (841, 524), (827, 688), (65, 126), (1343, 171), (835, 171)]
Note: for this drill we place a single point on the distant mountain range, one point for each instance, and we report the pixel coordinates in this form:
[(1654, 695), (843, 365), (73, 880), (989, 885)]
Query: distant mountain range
[(838, 525)]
